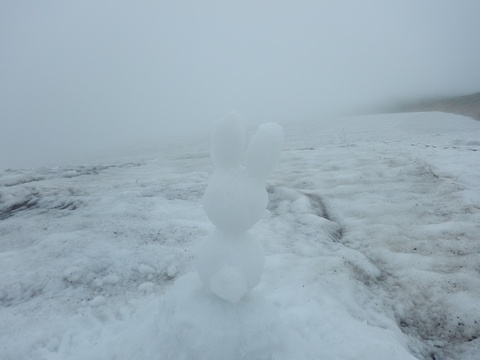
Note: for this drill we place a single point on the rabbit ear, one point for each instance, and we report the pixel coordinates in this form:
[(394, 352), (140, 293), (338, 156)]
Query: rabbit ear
[(264, 150), (228, 141)]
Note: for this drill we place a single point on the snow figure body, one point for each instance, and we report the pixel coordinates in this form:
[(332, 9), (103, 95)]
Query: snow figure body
[(230, 261)]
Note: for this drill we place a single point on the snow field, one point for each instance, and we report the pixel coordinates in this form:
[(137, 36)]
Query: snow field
[(371, 247), (413, 211)]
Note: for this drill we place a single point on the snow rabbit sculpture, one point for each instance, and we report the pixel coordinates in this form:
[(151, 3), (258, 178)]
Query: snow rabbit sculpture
[(230, 261)]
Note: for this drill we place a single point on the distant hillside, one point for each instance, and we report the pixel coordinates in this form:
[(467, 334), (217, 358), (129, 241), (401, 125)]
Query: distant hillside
[(468, 105)]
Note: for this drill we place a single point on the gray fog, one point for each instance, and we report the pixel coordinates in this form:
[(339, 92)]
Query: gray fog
[(86, 76)]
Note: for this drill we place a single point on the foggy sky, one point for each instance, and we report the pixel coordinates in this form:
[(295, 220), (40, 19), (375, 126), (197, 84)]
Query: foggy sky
[(80, 76)]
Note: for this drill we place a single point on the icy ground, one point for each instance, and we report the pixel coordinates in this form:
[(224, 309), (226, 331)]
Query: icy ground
[(372, 251)]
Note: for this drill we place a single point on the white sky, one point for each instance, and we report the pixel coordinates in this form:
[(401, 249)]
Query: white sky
[(86, 75)]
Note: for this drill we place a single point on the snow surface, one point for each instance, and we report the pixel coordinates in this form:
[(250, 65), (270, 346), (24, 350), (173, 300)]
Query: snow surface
[(372, 251)]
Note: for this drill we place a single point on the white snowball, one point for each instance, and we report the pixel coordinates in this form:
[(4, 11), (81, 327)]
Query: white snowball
[(230, 264), (97, 301), (146, 287), (229, 283), (145, 269), (73, 274), (172, 271), (111, 279), (234, 201), (264, 150), (228, 142)]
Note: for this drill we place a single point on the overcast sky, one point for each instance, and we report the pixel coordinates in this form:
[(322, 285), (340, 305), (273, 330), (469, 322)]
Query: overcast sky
[(86, 75)]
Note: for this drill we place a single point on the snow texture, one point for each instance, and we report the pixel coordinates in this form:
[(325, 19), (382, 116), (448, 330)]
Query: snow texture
[(371, 251)]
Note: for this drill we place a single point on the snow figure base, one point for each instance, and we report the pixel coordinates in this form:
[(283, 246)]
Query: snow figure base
[(197, 325), (230, 264)]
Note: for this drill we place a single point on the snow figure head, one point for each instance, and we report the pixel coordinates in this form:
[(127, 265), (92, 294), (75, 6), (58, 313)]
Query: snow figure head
[(231, 261)]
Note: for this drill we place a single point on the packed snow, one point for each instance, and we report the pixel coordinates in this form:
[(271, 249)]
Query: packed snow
[(371, 243), (230, 261)]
